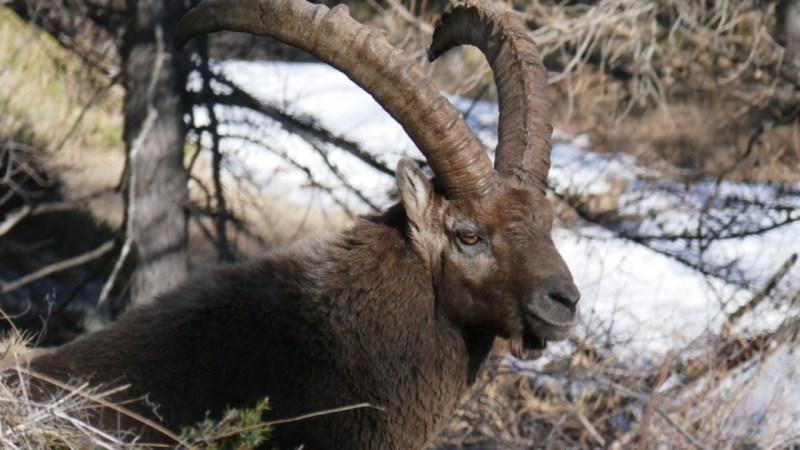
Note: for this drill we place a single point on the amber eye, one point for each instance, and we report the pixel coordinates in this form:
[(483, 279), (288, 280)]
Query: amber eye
[(468, 238)]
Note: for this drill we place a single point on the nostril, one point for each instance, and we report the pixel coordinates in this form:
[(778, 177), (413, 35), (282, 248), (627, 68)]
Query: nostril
[(568, 299)]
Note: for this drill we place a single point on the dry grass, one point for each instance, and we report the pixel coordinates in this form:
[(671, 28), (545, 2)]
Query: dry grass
[(670, 47), (705, 141), (64, 418), (704, 85), (27, 421), (591, 401), (37, 412)]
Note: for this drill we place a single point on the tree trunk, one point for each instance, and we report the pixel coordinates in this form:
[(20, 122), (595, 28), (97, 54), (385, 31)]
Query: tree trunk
[(789, 28), (154, 136)]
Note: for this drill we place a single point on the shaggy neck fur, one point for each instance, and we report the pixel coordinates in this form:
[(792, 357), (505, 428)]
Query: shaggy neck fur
[(341, 322)]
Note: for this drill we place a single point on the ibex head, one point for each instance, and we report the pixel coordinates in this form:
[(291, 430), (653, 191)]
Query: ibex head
[(492, 261), (484, 231)]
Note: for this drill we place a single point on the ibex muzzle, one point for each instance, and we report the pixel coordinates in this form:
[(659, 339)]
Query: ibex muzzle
[(399, 311), (553, 306)]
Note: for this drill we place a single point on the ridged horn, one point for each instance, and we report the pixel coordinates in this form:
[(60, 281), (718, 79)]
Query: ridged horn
[(524, 129), (366, 57)]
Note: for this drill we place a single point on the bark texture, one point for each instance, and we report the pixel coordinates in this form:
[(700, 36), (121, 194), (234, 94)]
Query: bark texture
[(154, 137), (789, 24)]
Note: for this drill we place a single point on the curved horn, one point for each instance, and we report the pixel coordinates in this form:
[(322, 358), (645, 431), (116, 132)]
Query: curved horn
[(363, 54), (523, 148)]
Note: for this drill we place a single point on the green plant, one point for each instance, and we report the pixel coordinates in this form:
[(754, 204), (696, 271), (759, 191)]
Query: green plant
[(238, 429)]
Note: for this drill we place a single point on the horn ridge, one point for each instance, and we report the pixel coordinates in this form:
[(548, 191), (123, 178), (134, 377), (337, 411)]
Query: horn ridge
[(397, 84), (525, 124)]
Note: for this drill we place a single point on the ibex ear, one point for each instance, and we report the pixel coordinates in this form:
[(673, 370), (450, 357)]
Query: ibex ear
[(416, 191)]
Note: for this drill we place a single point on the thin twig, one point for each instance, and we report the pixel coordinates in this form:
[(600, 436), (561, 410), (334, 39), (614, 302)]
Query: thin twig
[(644, 427), (58, 267), (645, 399), (294, 124), (95, 97), (759, 296), (325, 413), (112, 279), (15, 217), (225, 254), (241, 430), (107, 404), (407, 16), (791, 442), (589, 427)]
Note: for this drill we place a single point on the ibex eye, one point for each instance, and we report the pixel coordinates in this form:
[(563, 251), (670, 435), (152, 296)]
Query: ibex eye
[(468, 238)]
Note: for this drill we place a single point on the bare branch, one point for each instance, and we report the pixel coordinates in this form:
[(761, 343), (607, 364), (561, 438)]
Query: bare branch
[(98, 94), (58, 267), (207, 94), (112, 279), (294, 124), (406, 15), (666, 416), (13, 218), (30, 210), (760, 295), (644, 426)]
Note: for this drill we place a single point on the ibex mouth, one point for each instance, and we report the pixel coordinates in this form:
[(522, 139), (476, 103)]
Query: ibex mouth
[(552, 309), (550, 320), (550, 323)]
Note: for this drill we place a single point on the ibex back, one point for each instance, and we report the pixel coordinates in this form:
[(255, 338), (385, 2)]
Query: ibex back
[(400, 310)]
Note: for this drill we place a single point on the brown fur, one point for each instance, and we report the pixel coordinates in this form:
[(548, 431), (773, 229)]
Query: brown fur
[(391, 312), (401, 310)]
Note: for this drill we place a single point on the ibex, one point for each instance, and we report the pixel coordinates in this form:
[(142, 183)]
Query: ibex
[(399, 311)]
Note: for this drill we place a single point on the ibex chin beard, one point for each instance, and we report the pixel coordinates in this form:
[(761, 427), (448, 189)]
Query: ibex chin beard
[(537, 331)]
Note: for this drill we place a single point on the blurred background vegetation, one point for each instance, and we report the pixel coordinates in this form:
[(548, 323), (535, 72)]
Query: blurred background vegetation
[(95, 129)]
